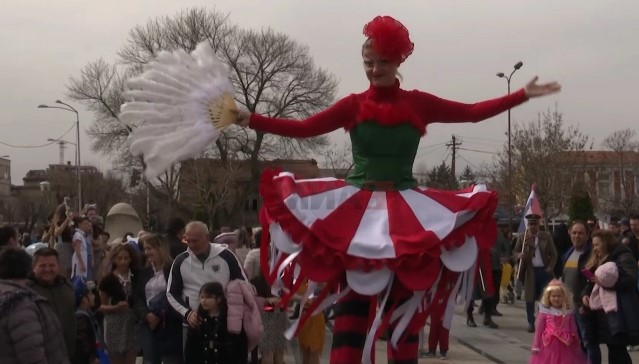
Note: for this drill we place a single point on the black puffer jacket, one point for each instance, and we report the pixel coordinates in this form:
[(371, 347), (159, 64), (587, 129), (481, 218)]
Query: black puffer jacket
[(621, 327), (29, 328)]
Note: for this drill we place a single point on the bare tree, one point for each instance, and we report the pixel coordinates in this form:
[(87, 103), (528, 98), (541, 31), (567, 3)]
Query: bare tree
[(536, 150), (623, 144), (208, 189), (272, 74), (339, 160)]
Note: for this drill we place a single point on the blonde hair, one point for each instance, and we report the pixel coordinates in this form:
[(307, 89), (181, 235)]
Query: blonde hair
[(156, 242), (557, 286), (609, 242)]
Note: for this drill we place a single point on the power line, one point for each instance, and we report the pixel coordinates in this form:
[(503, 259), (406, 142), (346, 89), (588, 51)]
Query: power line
[(38, 146), (484, 139), (423, 152), (478, 151), (467, 161), (430, 146)]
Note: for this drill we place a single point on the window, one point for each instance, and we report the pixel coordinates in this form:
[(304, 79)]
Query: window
[(603, 185)]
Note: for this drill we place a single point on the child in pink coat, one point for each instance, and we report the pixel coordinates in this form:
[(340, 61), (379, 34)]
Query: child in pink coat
[(556, 337)]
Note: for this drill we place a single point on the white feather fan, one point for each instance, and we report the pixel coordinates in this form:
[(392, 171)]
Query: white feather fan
[(169, 106)]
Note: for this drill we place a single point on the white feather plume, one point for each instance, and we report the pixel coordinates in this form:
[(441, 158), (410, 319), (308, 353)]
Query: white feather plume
[(167, 106)]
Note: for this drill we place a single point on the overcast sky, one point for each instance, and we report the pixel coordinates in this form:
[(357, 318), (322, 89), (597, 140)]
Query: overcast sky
[(590, 46)]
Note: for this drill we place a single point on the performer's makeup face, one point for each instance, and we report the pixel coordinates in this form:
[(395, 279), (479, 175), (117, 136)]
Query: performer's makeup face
[(380, 72)]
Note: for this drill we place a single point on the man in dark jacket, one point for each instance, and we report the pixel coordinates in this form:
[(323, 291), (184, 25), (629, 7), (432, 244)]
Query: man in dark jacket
[(29, 328), (58, 290), (629, 235)]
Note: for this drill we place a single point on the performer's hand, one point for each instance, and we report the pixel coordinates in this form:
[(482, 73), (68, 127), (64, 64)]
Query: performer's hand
[(533, 89), (243, 118), (586, 301)]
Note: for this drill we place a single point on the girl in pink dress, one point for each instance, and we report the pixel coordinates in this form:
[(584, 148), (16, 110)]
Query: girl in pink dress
[(556, 338)]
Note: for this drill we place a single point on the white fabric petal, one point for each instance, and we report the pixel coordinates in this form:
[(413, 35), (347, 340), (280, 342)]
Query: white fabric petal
[(476, 189), (430, 214), (372, 239), (309, 209), (368, 283), (461, 258)]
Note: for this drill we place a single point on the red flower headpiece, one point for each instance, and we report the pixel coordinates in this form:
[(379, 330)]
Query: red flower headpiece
[(389, 38)]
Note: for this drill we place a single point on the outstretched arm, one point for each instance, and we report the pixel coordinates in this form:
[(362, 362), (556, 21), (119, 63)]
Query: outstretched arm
[(435, 109), (324, 122)]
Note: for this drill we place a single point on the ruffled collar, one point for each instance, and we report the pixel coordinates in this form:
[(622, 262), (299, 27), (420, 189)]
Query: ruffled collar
[(383, 93)]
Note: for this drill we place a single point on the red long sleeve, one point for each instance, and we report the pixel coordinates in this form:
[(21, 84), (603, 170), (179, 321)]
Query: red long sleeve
[(437, 110), (419, 108), (338, 115)]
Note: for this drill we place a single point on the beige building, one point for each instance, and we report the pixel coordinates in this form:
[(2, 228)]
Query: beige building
[(612, 179)]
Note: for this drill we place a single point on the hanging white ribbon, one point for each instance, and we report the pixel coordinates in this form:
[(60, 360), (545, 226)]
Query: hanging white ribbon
[(407, 312), (370, 338), (467, 286), (290, 332), (450, 306), (278, 284), (330, 300)]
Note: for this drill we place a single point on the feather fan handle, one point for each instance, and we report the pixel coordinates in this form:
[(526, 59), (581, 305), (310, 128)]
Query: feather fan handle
[(177, 107)]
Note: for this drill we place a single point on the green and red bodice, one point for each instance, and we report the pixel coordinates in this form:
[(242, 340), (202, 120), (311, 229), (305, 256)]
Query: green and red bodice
[(383, 156)]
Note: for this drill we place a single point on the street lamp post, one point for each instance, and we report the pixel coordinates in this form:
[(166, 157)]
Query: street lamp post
[(77, 127), (45, 187), (510, 154)]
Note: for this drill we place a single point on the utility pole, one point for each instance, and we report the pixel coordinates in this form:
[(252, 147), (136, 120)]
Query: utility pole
[(453, 144)]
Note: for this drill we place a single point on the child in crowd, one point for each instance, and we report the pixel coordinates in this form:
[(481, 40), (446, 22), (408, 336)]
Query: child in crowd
[(211, 342), (311, 335), (121, 327), (556, 337), (87, 328)]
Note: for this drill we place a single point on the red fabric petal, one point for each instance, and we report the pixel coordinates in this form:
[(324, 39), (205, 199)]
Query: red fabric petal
[(326, 242), (407, 233)]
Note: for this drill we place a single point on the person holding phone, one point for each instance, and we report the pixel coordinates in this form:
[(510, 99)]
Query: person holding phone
[(620, 327)]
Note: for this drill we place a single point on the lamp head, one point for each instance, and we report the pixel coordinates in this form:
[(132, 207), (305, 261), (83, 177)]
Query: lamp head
[(60, 102), (501, 74), (518, 65), (45, 186), (42, 106)]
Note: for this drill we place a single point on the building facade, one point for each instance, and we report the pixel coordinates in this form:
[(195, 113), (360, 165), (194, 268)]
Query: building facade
[(611, 178)]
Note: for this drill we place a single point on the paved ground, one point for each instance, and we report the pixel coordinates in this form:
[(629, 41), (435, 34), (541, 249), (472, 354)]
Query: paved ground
[(510, 344)]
